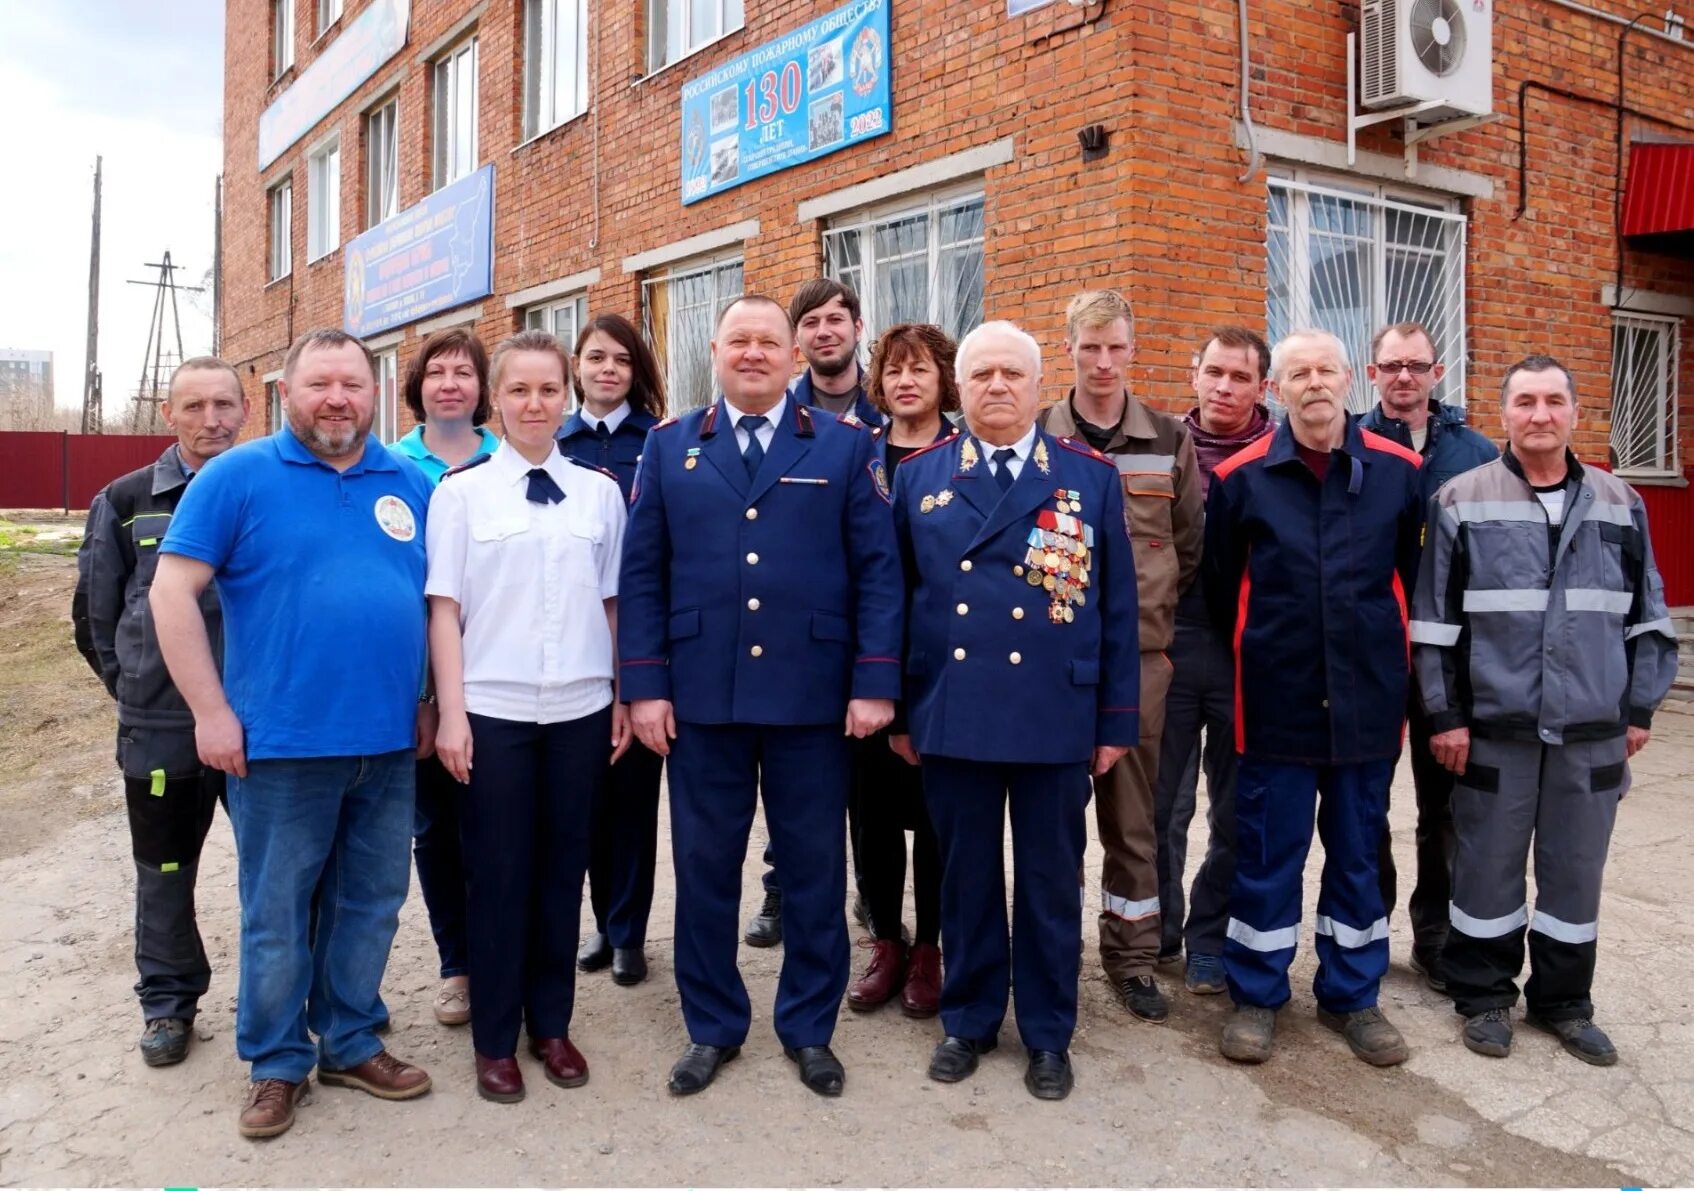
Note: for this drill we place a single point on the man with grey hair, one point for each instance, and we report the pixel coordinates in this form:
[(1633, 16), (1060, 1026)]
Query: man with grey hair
[(314, 535), (1543, 647), (1311, 546), (169, 792), (1022, 676)]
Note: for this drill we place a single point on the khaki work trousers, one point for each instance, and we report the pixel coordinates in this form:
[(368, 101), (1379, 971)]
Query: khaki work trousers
[(1123, 806)]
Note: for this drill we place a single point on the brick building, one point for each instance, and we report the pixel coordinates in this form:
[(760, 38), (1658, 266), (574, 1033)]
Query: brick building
[(979, 199)]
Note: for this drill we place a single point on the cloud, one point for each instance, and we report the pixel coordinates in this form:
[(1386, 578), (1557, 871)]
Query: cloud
[(140, 85)]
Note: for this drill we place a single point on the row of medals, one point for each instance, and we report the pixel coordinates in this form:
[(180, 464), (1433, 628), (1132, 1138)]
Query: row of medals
[(1060, 555)]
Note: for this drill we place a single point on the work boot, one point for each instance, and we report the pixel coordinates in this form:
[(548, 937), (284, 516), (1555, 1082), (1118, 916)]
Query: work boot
[(1489, 1033), (1580, 1036), (1371, 1035), (164, 1041), (270, 1106), (1204, 977), (1249, 1033), (1143, 999), (882, 979), (764, 929)]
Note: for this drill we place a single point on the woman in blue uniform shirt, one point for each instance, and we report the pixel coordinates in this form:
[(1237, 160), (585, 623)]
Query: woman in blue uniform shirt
[(620, 397), (524, 550), (446, 389), (911, 380)]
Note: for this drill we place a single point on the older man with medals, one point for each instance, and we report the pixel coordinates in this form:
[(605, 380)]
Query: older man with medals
[(1022, 674)]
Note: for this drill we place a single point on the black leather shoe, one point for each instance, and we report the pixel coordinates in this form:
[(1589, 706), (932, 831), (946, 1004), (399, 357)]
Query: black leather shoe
[(820, 1070), (594, 955), (764, 929), (629, 965), (955, 1058), (698, 1067), (1049, 1076)]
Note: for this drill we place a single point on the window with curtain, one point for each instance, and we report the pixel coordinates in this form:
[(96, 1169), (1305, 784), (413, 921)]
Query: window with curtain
[(679, 308), (1350, 257), (920, 261)]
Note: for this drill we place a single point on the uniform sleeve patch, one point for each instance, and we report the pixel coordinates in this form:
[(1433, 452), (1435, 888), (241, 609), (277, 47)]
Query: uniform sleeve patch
[(879, 477)]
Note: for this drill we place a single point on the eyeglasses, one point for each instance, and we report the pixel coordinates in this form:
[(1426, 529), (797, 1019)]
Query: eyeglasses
[(1415, 367)]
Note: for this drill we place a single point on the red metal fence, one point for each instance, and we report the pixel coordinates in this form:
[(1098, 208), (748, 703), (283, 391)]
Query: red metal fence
[(54, 469)]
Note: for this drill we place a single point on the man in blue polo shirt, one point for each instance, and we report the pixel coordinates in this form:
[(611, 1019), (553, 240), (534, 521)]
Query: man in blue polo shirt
[(315, 538)]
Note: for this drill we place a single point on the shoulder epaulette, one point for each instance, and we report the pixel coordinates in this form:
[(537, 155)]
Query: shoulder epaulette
[(660, 425), (466, 466), (586, 466), (851, 419), (1388, 446), (1082, 448), (940, 442)]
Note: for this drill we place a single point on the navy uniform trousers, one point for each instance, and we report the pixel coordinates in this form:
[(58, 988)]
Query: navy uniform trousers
[(716, 772)]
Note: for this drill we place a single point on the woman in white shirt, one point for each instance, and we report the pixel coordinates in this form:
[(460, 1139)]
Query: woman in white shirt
[(524, 547)]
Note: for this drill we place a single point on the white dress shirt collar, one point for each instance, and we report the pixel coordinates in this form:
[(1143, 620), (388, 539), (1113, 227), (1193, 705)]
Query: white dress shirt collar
[(514, 468), (1020, 452), (612, 420), (767, 432)]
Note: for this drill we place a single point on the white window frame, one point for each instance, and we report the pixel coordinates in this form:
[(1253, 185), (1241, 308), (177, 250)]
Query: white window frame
[(862, 278), (273, 405), (671, 35), (323, 200), (388, 395), (568, 314), (382, 161), (329, 12), (555, 36), (279, 200), (1661, 395), (727, 273), (1300, 188), (453, 113), (282, 37)]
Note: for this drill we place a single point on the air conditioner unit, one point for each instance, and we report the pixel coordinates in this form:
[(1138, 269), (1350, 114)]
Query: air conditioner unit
[(1428, 51)]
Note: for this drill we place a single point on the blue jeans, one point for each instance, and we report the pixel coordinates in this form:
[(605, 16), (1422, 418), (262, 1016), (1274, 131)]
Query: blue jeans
[(339, 828)]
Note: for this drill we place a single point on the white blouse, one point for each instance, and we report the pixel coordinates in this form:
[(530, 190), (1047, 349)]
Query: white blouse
[(529, 580)]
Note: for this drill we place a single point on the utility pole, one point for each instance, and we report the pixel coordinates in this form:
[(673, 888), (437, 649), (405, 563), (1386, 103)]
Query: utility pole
[(218, 268), (158, 364), (91, 387)]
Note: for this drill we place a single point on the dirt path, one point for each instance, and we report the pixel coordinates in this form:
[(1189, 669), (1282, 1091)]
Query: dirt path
[(1152, 1105)]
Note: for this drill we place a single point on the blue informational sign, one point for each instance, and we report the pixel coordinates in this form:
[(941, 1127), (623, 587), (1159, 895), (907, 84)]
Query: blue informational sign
[(819, 89), (430, 257), (356, 53)]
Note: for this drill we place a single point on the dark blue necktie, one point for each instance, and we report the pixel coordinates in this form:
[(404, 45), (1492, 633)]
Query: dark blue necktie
[(603, 432), (542, 489), (755, 453), (1003, 467)]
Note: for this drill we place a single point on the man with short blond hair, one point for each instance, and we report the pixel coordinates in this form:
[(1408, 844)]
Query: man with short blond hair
[(1311, 544), (170, 794), (314, 536), (1160, 484)]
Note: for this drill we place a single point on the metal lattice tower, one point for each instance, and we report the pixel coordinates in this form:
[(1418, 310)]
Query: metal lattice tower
[(160, 361)]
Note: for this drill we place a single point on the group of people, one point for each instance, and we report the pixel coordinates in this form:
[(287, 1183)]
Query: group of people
[(885, 598)]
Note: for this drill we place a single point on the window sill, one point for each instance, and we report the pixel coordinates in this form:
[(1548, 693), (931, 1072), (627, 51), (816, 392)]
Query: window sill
[(313, 262), (699, 49), (325, 33), (547, 132), (1653, 479), (279, 280)]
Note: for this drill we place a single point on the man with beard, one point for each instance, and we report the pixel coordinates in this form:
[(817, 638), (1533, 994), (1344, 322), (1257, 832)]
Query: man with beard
[(1311, 549), (315, 537), (1229, 385), (1405, 371), (827, 330)]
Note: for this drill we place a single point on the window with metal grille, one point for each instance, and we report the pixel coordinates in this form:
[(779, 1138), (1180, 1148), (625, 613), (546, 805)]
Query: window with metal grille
[(555, 63), (679, 310), (382, 163), (282, 229), (455, 113), (1351, 257), (1645, 348), (918, 262), (561, 319), (676, 28)]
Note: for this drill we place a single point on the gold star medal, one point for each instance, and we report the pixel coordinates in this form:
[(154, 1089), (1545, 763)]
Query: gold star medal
[(944, 498)]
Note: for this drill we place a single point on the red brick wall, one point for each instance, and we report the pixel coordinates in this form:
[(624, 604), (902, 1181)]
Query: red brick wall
[(1162, 215)]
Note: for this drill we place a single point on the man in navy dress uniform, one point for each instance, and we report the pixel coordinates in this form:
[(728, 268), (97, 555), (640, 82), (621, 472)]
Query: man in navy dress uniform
[(1023, 675), (759, 615)]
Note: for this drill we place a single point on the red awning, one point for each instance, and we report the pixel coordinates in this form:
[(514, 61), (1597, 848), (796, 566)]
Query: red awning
[(1659, 198)]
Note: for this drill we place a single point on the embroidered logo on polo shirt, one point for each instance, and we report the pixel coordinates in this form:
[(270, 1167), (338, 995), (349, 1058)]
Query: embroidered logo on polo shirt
[(396, 518)]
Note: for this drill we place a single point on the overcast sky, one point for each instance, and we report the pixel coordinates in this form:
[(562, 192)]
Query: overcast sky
[(142, 85)]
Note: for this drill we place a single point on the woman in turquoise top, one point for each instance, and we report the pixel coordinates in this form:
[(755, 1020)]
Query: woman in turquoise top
[(447, 392)]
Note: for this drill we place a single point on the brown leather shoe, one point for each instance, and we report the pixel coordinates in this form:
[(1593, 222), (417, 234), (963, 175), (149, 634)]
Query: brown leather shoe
[(499, 1080), (270, 1106), (382, 1075), (922, 995), (882, 979), (562, 1061)]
